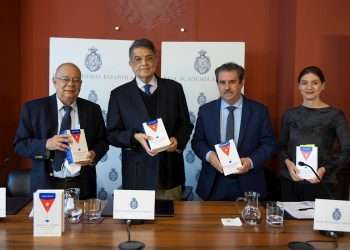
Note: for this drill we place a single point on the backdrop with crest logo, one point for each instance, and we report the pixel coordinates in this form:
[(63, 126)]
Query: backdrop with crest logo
[(105, 65)]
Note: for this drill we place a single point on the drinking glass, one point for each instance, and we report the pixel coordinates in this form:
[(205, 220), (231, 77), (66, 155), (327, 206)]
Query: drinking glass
[(274, 214), (71, 205)]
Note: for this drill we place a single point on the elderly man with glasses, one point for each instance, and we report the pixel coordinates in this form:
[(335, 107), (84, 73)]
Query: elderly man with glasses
[(39, 135)]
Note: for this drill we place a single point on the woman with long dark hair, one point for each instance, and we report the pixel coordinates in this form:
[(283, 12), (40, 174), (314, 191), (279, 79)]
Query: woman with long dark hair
[(318, 123)]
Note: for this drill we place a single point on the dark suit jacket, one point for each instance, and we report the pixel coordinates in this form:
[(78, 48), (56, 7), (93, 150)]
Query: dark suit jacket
[(38, 122), (127, 112), (256, 140)]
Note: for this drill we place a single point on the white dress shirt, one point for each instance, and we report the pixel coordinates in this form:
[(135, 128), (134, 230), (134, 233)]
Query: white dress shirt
[(74, 125), (153, 84)]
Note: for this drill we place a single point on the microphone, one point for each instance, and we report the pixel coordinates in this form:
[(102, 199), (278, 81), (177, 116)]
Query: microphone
[(303, 164), (131, 244), (332, 234)]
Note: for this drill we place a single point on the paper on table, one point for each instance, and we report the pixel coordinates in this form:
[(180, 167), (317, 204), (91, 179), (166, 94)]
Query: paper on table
[(235, 222), (2, 202), (299, 209), (31, 214), (332, 215)]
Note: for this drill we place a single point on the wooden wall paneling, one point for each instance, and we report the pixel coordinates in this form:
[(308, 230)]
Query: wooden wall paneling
[(10, 83)]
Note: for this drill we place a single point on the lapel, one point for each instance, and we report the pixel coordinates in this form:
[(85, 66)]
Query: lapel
[(246, 112), (83, 116), (217, 120), (161, 99), (52, 116), (137, 102)]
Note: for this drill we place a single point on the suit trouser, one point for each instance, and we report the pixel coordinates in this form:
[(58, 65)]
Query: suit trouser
[(225, 188), (65, 183)]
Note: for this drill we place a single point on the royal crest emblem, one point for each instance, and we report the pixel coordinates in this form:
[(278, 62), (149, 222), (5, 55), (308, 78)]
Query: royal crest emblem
[(92, 97), (102, 194), (202, 63), (201, 99), (93, 61), (113, 175), (150, 13), (190, 156), (336, 214), (134, 203)]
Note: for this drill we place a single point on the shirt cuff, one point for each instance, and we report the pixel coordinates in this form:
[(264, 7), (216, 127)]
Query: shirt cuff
[(207, 155)]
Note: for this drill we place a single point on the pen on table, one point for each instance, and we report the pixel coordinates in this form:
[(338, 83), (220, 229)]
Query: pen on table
[(305, 208)]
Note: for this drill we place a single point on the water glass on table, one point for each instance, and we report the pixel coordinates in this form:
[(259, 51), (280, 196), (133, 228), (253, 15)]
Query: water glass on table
[(93, 210), (71, 205), (274, 214)]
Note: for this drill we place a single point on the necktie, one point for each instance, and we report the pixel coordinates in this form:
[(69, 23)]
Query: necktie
[(66, 120), (65, 125), (230, 125), (147, 88)]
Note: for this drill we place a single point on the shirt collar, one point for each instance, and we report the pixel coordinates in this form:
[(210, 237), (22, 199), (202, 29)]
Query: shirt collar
[(237, 104), (141, 83), (60, 105)]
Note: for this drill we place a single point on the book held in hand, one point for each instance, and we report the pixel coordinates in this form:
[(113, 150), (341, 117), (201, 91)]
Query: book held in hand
[(155, 129), (78, 150), (228, 157), (307, 154)]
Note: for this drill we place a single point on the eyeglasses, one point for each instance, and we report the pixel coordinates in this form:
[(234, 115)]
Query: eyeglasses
[(67, 80), (140, 59)]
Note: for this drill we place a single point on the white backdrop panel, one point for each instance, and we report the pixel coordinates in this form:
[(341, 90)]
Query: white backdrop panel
[(104, 65)]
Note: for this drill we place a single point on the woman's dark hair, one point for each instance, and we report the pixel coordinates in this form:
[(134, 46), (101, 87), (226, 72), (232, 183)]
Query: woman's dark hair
[(314, 70)]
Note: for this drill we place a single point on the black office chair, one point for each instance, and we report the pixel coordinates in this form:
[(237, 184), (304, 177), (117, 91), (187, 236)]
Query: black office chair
[(18, 183)]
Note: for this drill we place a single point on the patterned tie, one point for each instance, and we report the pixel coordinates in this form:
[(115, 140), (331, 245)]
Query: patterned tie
[(65, 125), (230, 125), (147, 88)]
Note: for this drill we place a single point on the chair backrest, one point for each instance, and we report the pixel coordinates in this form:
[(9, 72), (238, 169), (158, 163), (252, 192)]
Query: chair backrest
[(18, 183)]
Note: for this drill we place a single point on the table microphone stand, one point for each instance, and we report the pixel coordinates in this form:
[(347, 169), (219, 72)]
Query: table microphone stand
[(131, 244), (332, 234), (299, 245)]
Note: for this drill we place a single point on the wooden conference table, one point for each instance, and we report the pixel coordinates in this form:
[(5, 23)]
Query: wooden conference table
[(196, 225)]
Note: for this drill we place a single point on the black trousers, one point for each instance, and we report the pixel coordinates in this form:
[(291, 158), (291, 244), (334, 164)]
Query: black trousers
[(226, 188), (305, 191), (65, 183)]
